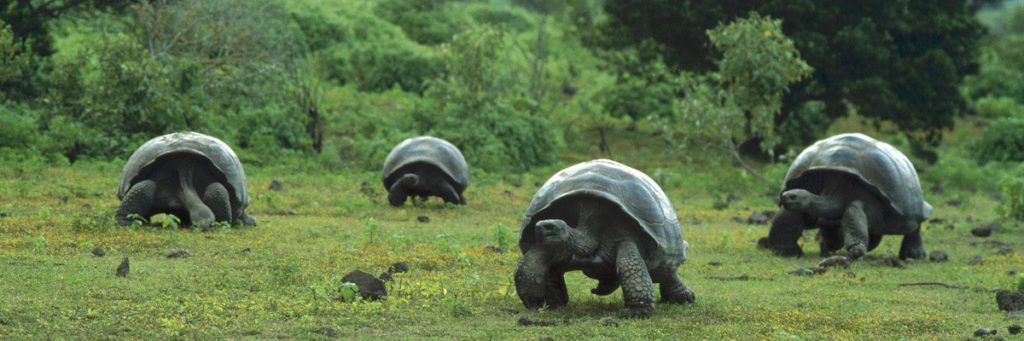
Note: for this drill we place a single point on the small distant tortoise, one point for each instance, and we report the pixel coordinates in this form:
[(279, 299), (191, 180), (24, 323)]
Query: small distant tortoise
[(425, 166), (193, 176), (856, 189), (613, 223)]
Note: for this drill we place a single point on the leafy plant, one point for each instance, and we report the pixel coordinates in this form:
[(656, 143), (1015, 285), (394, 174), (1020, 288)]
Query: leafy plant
[(1013, 198), (1002, 141), (137, 220), (348, 292), (503, 236), (1018, 283), (374, 229), (170, 221)]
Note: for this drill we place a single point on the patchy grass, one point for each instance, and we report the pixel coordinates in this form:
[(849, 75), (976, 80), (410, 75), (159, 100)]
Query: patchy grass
[(281, 279)]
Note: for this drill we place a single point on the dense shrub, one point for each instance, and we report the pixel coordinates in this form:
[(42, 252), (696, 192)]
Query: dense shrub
[(429, 22), (378, 66), (1013, 197), (998, 107), (1002, 141)]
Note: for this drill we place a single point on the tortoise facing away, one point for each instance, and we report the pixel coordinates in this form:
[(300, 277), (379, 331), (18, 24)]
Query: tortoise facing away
[(193, 176), (856, 189), (613, 223), (425, 166)]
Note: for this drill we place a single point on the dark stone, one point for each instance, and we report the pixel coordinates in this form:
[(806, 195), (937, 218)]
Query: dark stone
[(122, 270), (423, 219), (4, 214), (998, 197), (721, 205), (976, 260), (178, 253), (801, 271), (370, 287), (399, 267), (327, 331), (737, 219), (609, 321), (986, 230), (956, 201), (98, 252), (937, 188), (1010, 300), (537, 184), (938, 256), (526, 322), (245, 250), (517, 184), (275, 185), (1014, 329), (715, 263), (938, 220), (984, 332), (386, 276), (494, 249), (759, 218), (840, 261)]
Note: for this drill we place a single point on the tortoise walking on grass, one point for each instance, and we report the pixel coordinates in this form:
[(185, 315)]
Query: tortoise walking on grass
[(613, 223), (425, 166), (856, 189), (193, 176)]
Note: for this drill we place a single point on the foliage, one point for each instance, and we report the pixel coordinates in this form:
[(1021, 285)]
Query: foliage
[(427, 22), (996, 78), (892, 60), (1013, 197), (1018, 283), (641, 90), (1002, 141), (484, 106), (998, 107)]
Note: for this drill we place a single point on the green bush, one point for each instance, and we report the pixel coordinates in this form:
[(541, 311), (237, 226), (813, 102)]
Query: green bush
[(429, 22), (378, 66), (953, 172), (1003, 141), (1013, 197), (998, 107)]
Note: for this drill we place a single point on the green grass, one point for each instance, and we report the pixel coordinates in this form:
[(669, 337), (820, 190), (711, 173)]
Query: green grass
[(280, 279)]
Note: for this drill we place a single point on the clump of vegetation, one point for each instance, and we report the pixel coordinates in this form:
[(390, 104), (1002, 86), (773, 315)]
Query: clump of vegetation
[(1002, 141), (1013, 197)]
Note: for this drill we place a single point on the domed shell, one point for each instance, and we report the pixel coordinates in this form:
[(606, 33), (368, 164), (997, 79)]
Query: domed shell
[(887, 172), (630, 189), (216, 151), (430, 150)]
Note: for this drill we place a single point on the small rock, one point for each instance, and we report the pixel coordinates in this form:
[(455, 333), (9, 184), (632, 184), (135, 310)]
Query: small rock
[(801, 271), (1010, 300), (327, 331), (4, 214), (938, 220), (998, 197), (1014, 329), (122, 270), (986, 229), (517, 184), (245, 250), (398, 267), (737, 219), (524, 321), (494, 249), (423, 219), (275, 185), (715, 263), (536, 184), (721, 205), (98, 252), (370, 288), (984, 332), (890, 261), (64, 199), (386, 276), (177, 253), (841, 261), (759, 218), (1016, 314), (976, 260), (938, 256), (956, 201), (969, 219), (609, 321), (950, 226)]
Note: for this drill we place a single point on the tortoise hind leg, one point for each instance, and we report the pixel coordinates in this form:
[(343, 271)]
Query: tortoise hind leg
[(912, 246), (671, 286), (138, 200), (217, 198), (448, 193), (246, 219), (637, 288)]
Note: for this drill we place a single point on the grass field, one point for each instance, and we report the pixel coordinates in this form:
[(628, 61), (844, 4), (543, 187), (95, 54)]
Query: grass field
[(281, 279)]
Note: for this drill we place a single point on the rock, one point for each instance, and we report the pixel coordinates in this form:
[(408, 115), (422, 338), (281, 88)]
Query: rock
[(998, 197), (721, 205), (275, 185), (494, 249), (4, 214), (938, 256), (956, 201), (715, 263), (386, 276), (98, 252), (938, 220), (1014, 329), (976, 260), (1010, 300), (398, 267), (759, 218), (423, 219), (178, 253), (969, 219), (801, 271), (122, 270), (1016, 314), (327, 331), (737, 219), (984, 332), (840, 261), (526, 322), (986, 229), (517, 184), (890, 261), (937, 188), (609, 321), (370, 288)]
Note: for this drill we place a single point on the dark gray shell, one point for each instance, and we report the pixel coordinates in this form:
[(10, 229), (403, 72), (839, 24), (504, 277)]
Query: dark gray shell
[(429, 150), (887, 172), (630, 189), (216, 151)]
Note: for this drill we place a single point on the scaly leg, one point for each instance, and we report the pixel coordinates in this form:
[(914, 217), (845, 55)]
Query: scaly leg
[(138, 200), (912, 246), (855, 230), (637, 288)]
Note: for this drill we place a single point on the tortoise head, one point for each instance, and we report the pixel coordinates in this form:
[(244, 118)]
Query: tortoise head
[(410, 180), (553, 232), (797, 199)]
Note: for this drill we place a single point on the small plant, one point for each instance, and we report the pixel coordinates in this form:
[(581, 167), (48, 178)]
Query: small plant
[(374, 229), (271, 200), (502, 236), (39, 243), (1018, 283), (170, 221), (1013, 198), (137, 220), (348, 292), (446, 242), (221, 225)]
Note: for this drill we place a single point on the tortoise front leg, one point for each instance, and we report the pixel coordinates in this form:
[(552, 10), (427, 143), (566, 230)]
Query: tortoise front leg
[(855, 230), (217, 198), (784, 233), (397, 194), (246, 219), (531, 278), (557, 294), (138, 200), (912, 246), (637, 288), (448, 193), (671, 286)]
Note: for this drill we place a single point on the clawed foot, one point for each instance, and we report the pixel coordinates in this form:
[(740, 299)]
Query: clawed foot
[(856, 251), (644, 312), (918, 253), (794, 251), (681, 297)]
